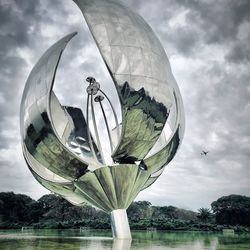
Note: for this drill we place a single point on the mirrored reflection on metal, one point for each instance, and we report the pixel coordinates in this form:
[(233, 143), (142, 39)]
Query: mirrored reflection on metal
[(63, 148)]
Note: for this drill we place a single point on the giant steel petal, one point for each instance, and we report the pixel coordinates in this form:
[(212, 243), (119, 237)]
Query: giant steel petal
[(140, 70), (37, 119)]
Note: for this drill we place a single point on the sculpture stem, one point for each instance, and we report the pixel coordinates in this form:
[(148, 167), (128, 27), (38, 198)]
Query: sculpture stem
[(107, 127), (120, 225), (115, 115), (96, 130), (88, 131)]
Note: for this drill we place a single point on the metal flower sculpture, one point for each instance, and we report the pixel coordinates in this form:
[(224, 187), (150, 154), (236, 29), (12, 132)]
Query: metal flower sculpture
[(66, 156)]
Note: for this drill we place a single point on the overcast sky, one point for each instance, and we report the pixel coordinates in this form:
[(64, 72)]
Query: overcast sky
[(208, 46)]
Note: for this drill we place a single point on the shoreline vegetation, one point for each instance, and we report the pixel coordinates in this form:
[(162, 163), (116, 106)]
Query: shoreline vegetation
[(53, 212)]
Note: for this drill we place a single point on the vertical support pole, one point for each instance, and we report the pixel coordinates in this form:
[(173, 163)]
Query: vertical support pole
[(120, 225), (121, 244)]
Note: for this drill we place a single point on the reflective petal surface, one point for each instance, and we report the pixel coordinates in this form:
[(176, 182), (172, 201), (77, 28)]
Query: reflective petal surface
[(150, 98), (69, 158)]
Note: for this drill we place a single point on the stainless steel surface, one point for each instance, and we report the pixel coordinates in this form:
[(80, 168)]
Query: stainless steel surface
[(119, 223), (141, 72), (114, 187), (58, 146), (38, 132)]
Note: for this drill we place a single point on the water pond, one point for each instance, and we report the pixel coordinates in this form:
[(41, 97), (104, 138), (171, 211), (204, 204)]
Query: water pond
[(102, 240)]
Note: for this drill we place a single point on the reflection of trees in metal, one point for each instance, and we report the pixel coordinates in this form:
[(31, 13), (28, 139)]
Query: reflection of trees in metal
[(62, 151), (144, 119)]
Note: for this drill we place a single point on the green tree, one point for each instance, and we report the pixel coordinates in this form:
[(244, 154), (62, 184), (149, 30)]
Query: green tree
[(139, 210), (171, 212), (232, 210), (204, 214), (164, 212), (18, 208), (56, 208)]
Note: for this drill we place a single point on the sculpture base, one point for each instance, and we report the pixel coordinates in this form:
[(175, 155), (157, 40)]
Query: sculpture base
[(120, 225)]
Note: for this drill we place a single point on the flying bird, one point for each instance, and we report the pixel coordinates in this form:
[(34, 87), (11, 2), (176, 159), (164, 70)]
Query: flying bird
[(204, 152)]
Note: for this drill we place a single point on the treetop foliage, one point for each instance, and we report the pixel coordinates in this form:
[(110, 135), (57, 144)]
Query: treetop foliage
[(52, 211), (232, 210)]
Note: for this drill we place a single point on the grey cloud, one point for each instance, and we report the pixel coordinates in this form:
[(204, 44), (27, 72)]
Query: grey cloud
[(14, 27), (212, 48), (220, 23), (219, 20), (240, 52), (14, 35), (207, 22), (184, 39)]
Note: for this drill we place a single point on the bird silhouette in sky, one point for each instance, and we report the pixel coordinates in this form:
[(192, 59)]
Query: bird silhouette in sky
[(204, 152)]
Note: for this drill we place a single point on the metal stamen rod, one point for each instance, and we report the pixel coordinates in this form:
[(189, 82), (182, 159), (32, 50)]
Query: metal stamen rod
[(116, 119), (88, 131), (96, 131), (107, 126)]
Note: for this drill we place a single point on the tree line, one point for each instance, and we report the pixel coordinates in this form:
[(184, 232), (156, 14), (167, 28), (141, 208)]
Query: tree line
[(52, 211)]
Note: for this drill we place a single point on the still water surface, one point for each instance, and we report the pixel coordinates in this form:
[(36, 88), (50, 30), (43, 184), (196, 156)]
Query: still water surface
[(101, 240)]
